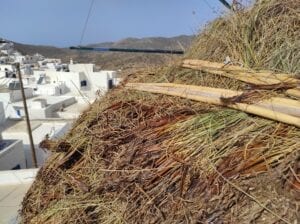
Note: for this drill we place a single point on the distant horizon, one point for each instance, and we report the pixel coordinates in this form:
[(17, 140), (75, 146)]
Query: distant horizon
[(71, 22), (140, 38)]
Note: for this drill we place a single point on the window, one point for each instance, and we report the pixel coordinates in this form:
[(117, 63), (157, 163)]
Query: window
[(83, 83), (110, 84)]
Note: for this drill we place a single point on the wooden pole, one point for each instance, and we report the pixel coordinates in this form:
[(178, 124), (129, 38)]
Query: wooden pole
[(33, 154), (242, 74), (294, 92), (226, 4), (271, 110)]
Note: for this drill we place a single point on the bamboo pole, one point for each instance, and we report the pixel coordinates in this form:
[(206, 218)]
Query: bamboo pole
[(294, 92), (240, 73), (232, 68), (284, 105), (267, 113), (227, 92), (209, 95), (286, 101)]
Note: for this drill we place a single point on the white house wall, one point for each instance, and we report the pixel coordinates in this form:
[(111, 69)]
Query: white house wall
[(52, 89), (50, 111), (9, 110), (3, 77), (29, 80), (53, 129), (5, 98), (2, 113), (7, 67), (86, 68), (71, 79), (111, 74), (12, 156), (99, 81), (16, 95), (19, 58), (95, 82)]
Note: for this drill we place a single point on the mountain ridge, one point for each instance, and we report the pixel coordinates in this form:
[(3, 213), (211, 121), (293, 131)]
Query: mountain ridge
[(180, 42), (176, 43), (115, 60)]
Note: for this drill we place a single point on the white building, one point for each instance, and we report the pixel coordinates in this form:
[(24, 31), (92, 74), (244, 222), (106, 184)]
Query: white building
[(7, 72), (8, 98), (2, 113), (40, 129), (4, 59), (12, 155), (44, 107), (17, 57), (86, 68), (80, 80), (6, 47), (13, 129), (70, 79), (7, 111), (29, 81), (13, 187), (7, 95), (101, 80), (38, 57), (7, 67), (55, 89)]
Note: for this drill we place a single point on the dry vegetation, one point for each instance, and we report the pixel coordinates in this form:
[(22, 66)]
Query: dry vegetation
[(138, 157)]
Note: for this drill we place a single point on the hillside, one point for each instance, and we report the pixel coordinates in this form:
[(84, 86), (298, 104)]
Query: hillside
[(176, 43), (109, 60), (47, 51), (140, 156)]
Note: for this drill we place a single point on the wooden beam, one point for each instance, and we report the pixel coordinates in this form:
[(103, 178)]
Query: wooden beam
[(278, 109), (226, 4), (294, 92), (242, 74)]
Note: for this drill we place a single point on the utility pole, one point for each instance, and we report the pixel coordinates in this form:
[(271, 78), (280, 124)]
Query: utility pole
[(33, 154)]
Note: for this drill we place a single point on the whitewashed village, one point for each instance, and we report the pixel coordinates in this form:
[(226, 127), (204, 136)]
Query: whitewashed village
[(56, 94)]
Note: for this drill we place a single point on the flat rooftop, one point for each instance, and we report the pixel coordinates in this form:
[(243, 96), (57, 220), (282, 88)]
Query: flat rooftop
[(49, 99), (13, 186), (4, 90), (20, 126)]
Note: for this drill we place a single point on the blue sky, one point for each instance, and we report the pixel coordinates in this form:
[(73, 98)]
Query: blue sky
[(60, 22)]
